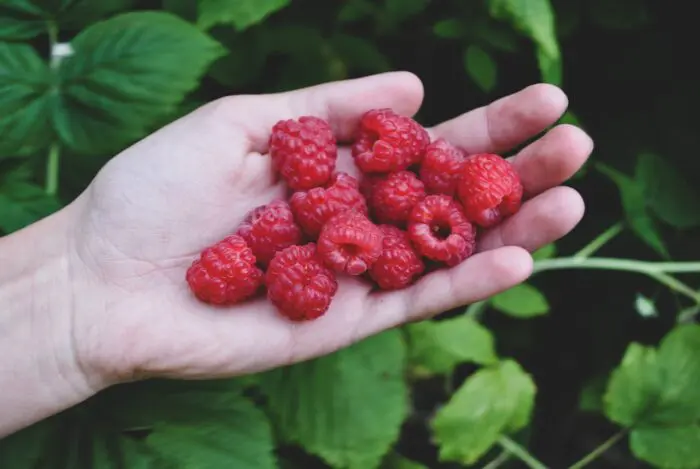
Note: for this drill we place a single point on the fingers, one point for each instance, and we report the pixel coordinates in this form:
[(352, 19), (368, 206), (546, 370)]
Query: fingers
[(507, 122), (479, 277), (540, 221), (552, 159), (341, 103)]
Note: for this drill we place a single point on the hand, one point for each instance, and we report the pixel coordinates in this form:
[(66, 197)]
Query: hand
[(152, 209)]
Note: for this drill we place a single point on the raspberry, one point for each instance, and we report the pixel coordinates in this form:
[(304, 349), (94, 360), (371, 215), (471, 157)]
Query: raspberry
[(269, 228), (489, 189), (349, 242), (399, 263), (225, 273), (314, 207), (303, 151), (388, 142), (441, 167), (298, 283), (440, 231), (393, 197)]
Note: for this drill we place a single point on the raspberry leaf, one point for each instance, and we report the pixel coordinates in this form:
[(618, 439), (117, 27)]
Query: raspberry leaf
[(437, 347), (481, 67), (19, 20), (151, 425), (668, 448), (450, 28), (23, 203), (239, 13), (493, 401), (654, 393), (521, 301), (25, 82), (396, 461), (534, 19), (347, 407), (667, 192), (125, 74), (634, 205), (25, 19)]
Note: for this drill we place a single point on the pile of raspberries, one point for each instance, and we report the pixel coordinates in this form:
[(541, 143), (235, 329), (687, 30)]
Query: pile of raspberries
[(416, 207)]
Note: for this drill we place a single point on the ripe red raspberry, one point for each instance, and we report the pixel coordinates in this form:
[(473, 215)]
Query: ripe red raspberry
[(489, 189), (388, 142), (441, 167), (303, 151), (314, 207), (269, 228), (399, 264), (394, 196), (225, 273), (349, 242), (440, 231), (299, 284)]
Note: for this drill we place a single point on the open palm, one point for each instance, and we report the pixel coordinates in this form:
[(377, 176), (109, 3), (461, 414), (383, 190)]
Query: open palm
[(154, 207)]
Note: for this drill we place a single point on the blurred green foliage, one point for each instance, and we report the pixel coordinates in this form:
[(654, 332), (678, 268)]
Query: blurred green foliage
[(565, 367)]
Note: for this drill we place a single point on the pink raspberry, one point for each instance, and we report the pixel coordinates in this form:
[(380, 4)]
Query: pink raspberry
[(440, 231), (303, 151)]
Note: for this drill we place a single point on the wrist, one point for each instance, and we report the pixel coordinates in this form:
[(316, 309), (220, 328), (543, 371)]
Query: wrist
[(40, 370)]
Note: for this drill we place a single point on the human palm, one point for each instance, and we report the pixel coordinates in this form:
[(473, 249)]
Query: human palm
[(154, 207)]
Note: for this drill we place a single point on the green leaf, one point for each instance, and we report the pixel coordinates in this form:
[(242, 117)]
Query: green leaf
[(239, 13), (25, 82), (347, 407), (16, 25), (521, 301), (591, 396), (401, 10), (185, 9), (207, 425), (21, 450), (633, 386), (533, 18), (354, 10), (359, 53), (450, 28), (491, 402), (667, 192), (655, 393), (396, 461), (668, 448), (634, 205), (550, 67), (545, 252), (126, 73), (85, 12), (437, 347), (620, 14), (481, 67), (22, 203)]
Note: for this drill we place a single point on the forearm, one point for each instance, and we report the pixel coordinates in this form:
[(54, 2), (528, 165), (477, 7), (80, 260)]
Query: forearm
[(38, 375)]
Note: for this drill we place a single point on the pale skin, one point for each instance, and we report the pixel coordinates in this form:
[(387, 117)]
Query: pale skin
[(94, 295)]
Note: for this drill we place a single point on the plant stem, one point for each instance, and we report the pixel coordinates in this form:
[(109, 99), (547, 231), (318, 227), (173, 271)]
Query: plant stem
[(656, 270), (598, 242), (519, 452), (53, 160), (687, 314), (499, 460), (52, 166), (606, 445)]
